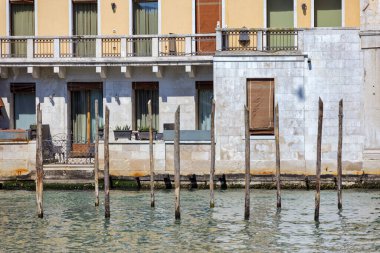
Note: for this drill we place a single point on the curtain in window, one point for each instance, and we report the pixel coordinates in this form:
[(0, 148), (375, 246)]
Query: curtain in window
[(142, 97), (24, 109), (280, 15), (204, 109), (79, 117), (145, 22), (85, 23), (22, 21), (96, 94), (328, 13)]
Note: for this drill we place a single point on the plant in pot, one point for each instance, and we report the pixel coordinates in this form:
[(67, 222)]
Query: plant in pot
[(144, 133), (122, 132), (101, 131), (33, 131)]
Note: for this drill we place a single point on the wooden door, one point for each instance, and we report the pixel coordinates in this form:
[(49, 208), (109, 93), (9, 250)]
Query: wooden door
[(83, 120)]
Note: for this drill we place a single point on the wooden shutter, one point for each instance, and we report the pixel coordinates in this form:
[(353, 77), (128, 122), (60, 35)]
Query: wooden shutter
[(208, 13), (260, 96)]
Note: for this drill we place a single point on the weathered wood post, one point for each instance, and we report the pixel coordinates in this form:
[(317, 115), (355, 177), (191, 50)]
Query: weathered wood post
[(151, 164), (177, 168), (340, 137), (212, 168), (318, 168), (96, 155), (106, 164), (247, 164), (39, 165), (278, 160)]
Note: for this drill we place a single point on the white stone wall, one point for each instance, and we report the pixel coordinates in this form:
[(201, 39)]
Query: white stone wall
[(335, 72), (369, 14)]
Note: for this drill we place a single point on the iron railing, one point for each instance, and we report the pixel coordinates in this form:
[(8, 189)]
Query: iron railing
[(61, 150), (117, 47), (259, 40), (13, 48)]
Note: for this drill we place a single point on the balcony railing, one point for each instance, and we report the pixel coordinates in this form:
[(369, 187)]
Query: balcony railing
[(107, 47), (155, 46), (268, 40)]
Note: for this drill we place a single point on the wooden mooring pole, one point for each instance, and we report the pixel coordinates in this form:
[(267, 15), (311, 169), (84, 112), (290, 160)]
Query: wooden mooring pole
[(318, 168), (107, 213), (177, 164), (39, 165), (278, 161), (340, 137), (212, 168), (96, 155), (151, 164), (247, 164)]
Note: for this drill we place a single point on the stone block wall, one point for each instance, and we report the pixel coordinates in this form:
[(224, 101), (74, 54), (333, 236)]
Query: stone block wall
[(331, 67), (17, 159)]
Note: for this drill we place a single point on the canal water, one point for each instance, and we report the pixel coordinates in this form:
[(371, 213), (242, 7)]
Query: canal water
[(71, 222)]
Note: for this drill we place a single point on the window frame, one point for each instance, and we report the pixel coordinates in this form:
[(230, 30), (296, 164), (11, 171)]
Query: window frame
[(145, 85), (261, 132), (19, 88), (314, 16), (201, 85)]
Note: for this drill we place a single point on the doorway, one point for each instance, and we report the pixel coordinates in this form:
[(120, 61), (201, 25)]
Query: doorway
[(83, 121)]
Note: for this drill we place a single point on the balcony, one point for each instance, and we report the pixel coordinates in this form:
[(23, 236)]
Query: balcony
[(263, 40), (94, 50), (143, 50)]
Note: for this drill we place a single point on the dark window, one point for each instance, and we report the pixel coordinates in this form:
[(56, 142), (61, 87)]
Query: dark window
[(24, 105), (143, 92), (205, 95)]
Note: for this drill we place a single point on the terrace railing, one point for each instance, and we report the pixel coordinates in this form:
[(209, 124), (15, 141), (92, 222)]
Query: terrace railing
[(107, 46), (267, 40), (172, 45)]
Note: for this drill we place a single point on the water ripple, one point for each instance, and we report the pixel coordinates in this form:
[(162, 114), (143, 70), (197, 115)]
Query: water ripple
[(71, 222)]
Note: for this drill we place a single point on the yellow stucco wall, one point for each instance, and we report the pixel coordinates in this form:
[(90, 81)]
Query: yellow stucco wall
[(114, 23), (241, 13), (3, 25), (53, 17), (176, 16), (352, 15), (303, 17)]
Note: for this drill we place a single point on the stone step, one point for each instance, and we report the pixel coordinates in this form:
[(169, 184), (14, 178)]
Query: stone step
[(68, 172)]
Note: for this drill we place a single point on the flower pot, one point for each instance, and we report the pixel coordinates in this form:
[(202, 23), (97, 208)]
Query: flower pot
[(101, 133), (144, 135), (122, 134), (33, 132)]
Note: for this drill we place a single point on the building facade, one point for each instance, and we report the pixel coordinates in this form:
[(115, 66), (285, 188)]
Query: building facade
[(65, 54)]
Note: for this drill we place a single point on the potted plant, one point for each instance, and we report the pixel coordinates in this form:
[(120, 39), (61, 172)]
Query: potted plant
[(144, 133), (101, 131), (122, 132), (33, 131)]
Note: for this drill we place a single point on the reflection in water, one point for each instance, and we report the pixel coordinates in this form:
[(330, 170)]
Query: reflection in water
[(72, 223)]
